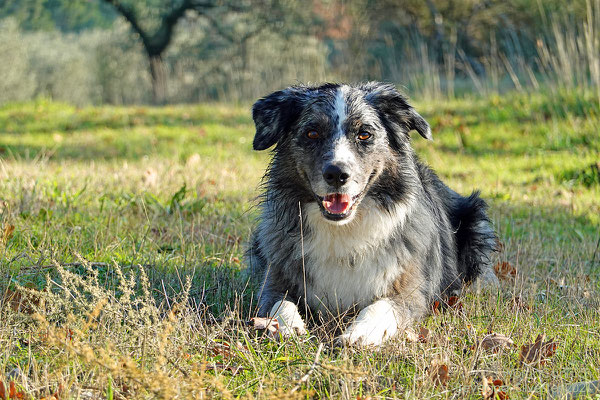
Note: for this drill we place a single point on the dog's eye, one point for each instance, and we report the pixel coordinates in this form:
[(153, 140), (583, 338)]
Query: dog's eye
[(364, 135), (312, 134)]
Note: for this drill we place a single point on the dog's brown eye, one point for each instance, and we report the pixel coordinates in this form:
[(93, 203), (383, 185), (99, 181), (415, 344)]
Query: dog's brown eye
[(364, 135), (312, 134)]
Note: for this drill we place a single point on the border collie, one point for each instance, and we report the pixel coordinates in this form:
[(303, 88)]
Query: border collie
[(350, 219)]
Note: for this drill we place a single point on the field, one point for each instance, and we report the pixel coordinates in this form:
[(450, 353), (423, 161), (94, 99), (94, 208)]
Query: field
[(122, 240)]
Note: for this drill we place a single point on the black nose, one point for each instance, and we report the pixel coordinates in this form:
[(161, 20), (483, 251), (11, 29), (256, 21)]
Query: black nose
[(334, 175)]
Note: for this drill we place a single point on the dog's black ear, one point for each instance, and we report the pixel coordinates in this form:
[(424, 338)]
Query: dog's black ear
[(274, 115), (395, 109)]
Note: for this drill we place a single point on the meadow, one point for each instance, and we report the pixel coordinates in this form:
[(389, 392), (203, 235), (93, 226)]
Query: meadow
[(122, 240)]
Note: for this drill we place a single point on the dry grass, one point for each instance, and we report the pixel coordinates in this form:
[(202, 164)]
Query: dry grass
[(122, 277)]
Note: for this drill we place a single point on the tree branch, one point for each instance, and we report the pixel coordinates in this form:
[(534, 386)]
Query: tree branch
[(130, 17)]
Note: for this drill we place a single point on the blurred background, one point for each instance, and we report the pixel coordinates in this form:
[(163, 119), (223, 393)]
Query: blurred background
[(184, 51)]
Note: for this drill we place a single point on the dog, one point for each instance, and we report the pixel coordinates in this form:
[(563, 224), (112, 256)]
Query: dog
[(351, 219)]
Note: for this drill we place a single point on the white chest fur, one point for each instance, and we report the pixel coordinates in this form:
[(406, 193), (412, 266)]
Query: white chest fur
[(350, 264)]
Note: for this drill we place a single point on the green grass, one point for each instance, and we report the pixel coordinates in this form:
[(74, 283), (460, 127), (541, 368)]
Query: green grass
[(172, 189)]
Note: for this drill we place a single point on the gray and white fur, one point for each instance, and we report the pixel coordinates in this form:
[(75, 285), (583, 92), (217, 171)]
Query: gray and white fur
[(381, 233)]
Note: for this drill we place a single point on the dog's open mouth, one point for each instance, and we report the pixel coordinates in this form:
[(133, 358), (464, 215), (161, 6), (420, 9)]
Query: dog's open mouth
[(337, 203), (338, 206)]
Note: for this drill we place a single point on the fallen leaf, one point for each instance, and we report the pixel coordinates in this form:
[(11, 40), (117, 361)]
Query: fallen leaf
[(538, 352), (51, 397), (455, 303), (270, 324), (505, 270), (496, 342), (7, 232), (423, 335), (435, 307), (12, 392), (412, 336), (439, 374), (226, 350), (491, 391), (519, 304), (19, 303)]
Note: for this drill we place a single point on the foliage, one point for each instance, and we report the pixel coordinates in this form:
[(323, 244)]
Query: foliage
[(65, 15), (436, 49)]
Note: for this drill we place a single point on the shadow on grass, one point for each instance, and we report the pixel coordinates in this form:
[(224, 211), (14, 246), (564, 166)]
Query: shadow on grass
[(48, 117), (552, 238)]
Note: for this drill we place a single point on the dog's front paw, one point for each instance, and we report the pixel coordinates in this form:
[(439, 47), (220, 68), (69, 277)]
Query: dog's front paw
[(374, 325), (289, 319), (287, 331)]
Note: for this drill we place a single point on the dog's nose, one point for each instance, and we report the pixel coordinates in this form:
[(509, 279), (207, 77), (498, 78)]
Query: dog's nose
[(334, 175)]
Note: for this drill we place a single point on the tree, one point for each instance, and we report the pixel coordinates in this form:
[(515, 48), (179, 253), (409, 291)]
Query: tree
[(156, 40)]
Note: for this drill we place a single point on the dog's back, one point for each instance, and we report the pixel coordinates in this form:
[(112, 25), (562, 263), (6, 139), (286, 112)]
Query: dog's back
[(474, 237)]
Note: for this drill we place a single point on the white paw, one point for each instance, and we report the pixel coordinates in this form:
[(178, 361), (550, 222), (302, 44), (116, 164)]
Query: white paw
[(374, 325), (289, 319)]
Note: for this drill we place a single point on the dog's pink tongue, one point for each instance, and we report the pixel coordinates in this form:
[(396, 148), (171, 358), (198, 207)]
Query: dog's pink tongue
[(337, 203)]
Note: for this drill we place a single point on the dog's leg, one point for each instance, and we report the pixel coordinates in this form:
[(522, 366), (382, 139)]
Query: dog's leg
[(290, 320), (375, 324)]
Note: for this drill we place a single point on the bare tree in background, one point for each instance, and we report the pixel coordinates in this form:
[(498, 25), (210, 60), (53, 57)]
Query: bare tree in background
[(156, 41)]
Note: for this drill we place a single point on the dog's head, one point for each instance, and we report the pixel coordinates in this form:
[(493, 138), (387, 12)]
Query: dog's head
[(338, 139)]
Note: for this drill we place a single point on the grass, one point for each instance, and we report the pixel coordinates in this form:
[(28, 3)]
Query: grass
[(133, 220)]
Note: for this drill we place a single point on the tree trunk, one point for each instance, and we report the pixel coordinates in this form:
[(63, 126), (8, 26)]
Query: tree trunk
[(158, 72)]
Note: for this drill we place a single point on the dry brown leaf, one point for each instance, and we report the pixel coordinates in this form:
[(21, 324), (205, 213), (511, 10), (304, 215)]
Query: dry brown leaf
[(538, 352), (19, 303), (452, 302), (519, 304), (226, 350), (423, 335), (222, 350), (51, 397), (491, 391), (7, 232), (12, 391), (455, 303), (505, 270), (495, 342), (270, 324), (412, 336), (439, 374)]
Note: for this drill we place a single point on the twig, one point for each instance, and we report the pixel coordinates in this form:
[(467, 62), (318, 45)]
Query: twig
[(184, 372), (36, 267), (165, 292), (310, 371), (303, 267), (595, 251)]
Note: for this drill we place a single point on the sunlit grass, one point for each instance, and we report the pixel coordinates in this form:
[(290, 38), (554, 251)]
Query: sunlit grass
[(172, 189)]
